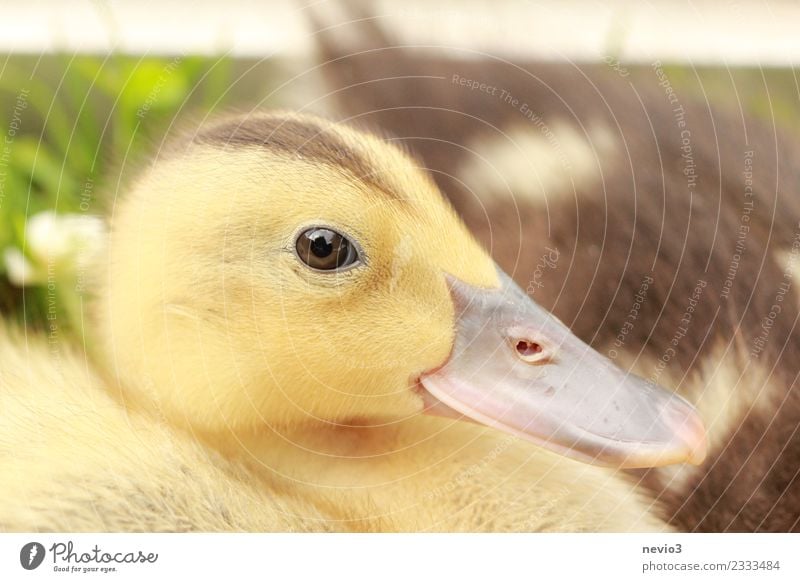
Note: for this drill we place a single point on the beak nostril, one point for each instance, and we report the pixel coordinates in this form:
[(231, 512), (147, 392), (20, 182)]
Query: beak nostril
[(526, 348), (530, 351)]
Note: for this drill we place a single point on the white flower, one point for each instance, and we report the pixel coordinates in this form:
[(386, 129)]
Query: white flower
[(19, 269), (69, 242), (55, 238)]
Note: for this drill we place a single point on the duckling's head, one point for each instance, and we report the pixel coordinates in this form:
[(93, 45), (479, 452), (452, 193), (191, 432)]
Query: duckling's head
[(282, 270)]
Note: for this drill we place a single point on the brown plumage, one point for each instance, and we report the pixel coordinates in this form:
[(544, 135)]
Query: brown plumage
[(671, 245)]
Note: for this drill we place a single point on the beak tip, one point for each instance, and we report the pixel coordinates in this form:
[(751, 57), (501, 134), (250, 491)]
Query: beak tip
[(699, 451), (689, 429)]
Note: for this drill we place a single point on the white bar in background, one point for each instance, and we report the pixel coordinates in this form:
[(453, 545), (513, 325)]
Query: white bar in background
[(737, 32), (408, 557)]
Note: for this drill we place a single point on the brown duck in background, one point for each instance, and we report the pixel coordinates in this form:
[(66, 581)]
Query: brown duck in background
[(663, 230)]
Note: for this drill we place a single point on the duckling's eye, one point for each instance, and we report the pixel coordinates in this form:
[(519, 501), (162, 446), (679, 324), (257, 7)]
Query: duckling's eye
[(325, 249)]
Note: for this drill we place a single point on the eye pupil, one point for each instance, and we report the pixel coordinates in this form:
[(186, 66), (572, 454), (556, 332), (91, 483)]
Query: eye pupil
[(324, 249), (321, 247)]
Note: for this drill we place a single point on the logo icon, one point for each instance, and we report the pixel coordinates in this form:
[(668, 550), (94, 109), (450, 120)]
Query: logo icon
[(31, 555)]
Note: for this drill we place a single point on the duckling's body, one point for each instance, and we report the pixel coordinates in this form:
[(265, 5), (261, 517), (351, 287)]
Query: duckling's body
[(240, 388)]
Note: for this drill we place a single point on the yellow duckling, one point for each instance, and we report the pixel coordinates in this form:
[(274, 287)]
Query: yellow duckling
[(298, 327)]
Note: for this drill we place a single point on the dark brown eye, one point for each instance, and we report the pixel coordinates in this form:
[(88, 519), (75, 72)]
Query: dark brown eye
[(325, 249)]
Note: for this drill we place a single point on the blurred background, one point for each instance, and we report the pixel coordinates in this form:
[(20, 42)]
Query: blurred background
[(88, 88)]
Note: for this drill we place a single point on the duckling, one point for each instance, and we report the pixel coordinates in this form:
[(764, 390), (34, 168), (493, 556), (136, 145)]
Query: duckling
[(300, 334), (663, 230)]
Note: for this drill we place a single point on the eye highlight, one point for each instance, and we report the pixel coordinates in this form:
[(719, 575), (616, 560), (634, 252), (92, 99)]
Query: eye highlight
[(324, 249)]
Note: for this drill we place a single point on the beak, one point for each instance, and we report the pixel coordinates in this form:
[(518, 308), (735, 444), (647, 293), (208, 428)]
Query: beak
[(517, 368)]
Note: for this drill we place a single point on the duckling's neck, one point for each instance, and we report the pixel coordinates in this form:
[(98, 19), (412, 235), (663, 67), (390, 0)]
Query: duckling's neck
[(320, 449), (436, 474)]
